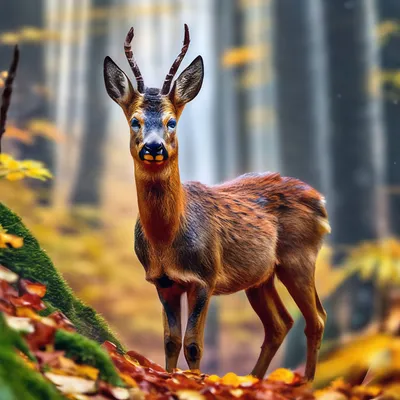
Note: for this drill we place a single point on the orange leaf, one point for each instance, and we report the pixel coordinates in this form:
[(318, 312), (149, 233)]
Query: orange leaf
[(282, 375), (33, 287)]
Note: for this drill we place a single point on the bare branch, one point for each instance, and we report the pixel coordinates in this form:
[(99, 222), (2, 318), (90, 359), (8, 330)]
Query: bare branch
[(168, 79), (6, 97)]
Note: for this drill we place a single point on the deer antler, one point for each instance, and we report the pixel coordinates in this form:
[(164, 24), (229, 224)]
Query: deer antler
[(132, 61), (168, 79), (6, 97)]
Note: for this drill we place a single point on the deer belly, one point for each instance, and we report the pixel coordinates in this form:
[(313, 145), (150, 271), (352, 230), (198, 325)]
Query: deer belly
[(238, 279)]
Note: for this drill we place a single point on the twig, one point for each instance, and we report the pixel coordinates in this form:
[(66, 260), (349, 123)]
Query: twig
[(6, 97)]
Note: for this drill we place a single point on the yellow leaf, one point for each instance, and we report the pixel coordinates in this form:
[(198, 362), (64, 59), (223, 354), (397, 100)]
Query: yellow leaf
[(230, 379), (31, 164), (9, 38), (12, 240), (367, 390), (86, 371), (213, 378), (5, 158), (189, 395), (243, 55), (15, 176), (19, 134), (45, 128), (282, 375)]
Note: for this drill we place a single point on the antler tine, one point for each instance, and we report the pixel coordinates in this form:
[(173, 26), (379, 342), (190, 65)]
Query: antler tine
[(168, 79), (132, 62)]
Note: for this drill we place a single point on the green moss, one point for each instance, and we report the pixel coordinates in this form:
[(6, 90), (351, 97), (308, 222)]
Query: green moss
[(31, 262), (86, 351), (17, 381)]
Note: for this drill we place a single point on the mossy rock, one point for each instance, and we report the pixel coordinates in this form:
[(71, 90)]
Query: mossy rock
[(31, 262), (18, 381)]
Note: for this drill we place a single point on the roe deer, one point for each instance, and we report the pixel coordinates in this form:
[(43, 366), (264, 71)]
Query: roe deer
[(212, 240)]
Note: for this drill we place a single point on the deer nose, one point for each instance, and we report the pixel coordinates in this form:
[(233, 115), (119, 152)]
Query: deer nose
[(153, 151)]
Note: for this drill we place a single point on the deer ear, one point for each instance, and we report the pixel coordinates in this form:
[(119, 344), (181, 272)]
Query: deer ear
[(118, 85), (188, 84)]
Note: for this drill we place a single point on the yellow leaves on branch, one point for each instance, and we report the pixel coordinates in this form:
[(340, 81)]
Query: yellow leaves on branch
[(28, 34), (7, 240), (42, 127), (14, 170), (386, 29), (243, 55), (380, 259), (35, 127)]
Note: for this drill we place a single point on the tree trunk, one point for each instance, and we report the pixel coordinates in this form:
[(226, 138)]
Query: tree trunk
[(389, 11), (87, 188), (356, 142), (300, 89), (301, 97)]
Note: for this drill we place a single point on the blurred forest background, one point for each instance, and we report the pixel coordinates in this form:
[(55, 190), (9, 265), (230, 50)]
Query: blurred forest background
[(309, 88)]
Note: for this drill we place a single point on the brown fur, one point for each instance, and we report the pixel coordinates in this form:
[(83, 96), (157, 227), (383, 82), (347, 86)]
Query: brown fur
[(211, 240)]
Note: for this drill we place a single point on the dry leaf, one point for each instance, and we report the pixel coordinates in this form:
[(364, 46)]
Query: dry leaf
[(71, 384)]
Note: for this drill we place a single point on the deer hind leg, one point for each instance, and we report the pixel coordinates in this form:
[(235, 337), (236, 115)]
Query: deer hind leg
[(300, 283), (275, 319)]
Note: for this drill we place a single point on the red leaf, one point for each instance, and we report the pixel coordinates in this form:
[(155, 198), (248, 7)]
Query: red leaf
[(109, 346), (43, 335), (50, 358), (62, 321), (6, 290), (7, 307), (28, 300), (145, 361)]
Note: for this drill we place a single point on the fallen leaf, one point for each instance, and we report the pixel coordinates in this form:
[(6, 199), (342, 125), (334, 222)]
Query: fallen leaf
[(7, 275), (34, 288), (31, 300), (282, 375), (20, 324), (189, 395), (71, 384), (62, 321)]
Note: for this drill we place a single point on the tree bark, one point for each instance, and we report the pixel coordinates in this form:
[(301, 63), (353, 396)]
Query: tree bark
[(389, 10), (87, 188), (356, 143), (300, 89), (302, 114)]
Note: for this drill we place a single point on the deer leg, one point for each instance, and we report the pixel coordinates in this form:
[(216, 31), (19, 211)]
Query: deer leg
[(198, 300), (276, 321), (171, 301), (301, 286)]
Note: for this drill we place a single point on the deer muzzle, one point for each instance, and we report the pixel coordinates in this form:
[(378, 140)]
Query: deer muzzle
[(153, 151)]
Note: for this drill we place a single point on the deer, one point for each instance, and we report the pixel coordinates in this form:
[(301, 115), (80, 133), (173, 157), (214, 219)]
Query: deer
[(207, 240)]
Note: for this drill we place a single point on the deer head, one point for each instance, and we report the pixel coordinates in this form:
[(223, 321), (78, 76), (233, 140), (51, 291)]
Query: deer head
[(153, 114)]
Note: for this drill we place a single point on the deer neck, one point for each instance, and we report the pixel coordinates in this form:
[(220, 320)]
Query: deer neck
[(161, 204)]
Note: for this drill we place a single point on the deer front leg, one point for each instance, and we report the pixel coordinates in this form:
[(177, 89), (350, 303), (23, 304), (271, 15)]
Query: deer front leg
[(198, 301), (171, 301)]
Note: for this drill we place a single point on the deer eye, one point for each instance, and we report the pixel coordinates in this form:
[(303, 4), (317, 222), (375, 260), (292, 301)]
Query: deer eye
[(171, 124), (135, 124)]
